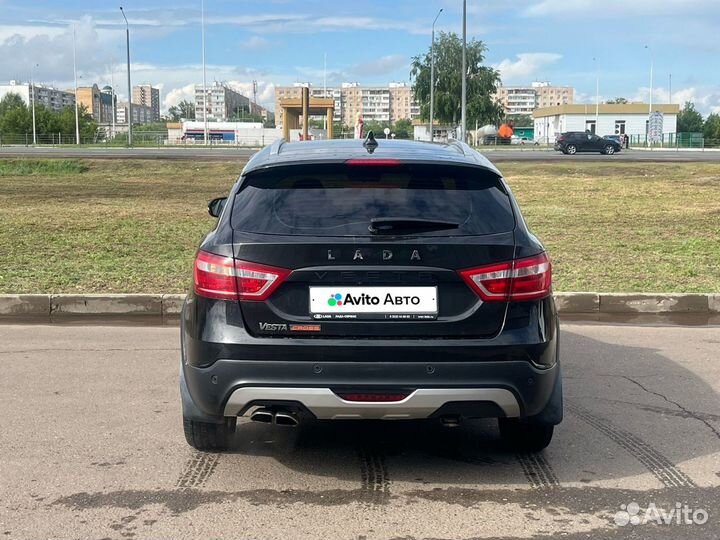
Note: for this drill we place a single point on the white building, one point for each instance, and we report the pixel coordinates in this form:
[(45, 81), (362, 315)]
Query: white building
[(612, 119), (52, 98), (223, 103)]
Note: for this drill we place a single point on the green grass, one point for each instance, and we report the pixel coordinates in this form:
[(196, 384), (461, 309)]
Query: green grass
[(45, 167), (133, 226)]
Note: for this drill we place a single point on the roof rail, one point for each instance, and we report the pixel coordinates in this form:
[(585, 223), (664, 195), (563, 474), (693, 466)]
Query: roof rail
[(276, 146)]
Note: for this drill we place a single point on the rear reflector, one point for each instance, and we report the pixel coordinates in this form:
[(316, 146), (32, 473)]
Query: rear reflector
[(522, 279), (370, 162), (226, 278), (372, 397)]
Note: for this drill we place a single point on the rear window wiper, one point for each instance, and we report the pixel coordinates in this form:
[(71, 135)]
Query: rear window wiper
[(389, 224)]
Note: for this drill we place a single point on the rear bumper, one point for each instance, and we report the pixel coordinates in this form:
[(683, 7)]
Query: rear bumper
[(480, 389), (324, 404), (225, 372)]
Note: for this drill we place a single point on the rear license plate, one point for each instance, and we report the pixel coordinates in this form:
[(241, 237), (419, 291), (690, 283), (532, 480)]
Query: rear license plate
[(386, 303)]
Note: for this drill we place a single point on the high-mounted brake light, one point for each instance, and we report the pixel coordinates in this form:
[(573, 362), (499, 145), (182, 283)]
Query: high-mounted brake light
[(226, 278), (523, 279), (372, 162)]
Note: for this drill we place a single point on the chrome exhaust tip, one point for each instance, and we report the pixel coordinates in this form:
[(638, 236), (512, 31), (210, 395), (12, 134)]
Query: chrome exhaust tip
[(262, 415), (283, 418)]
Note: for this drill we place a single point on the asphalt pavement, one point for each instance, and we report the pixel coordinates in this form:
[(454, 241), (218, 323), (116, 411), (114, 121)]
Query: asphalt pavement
[(92, 447), (223, 154)]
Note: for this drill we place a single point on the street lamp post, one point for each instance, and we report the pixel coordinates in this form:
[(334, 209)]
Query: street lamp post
[(205, 96), (32, 88), (77, 114), (652, 61), (463, 96), (597, 97), (129, 84), (432, 76)]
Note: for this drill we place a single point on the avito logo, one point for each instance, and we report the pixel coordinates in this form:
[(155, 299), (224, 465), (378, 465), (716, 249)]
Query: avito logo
[(364, 299)]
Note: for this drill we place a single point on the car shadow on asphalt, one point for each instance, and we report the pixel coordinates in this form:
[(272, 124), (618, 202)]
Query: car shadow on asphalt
[(615, 401)]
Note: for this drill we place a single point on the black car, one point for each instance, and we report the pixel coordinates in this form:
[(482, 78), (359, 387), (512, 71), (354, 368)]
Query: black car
[(573, 142), (348, 280)]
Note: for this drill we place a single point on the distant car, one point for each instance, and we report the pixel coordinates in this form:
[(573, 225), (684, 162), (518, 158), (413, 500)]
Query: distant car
[(615, 138), (522, 140), (572, 142)]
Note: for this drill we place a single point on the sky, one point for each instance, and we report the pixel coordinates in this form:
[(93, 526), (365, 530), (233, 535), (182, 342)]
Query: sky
[(278, 42)]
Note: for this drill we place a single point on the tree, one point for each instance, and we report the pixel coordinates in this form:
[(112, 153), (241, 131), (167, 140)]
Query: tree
[(183, 110), (689, 120), (482, 82), (617, 101), (403, 129), (15, 118), (711, 129)]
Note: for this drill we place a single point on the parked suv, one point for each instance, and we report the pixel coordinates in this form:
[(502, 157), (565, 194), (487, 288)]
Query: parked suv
[(350, 281), (572, 142)]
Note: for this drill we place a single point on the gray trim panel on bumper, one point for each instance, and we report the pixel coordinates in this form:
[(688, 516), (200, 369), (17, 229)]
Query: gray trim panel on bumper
[(326, 405)]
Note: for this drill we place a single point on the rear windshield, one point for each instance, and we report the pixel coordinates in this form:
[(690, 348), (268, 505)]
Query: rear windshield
[(340, 200)]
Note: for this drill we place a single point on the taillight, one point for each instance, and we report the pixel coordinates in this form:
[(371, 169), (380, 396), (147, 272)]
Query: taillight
[(522, 279), (226, 278)]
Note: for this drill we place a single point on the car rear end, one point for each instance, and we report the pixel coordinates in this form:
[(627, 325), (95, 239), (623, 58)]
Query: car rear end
[(369, 287)]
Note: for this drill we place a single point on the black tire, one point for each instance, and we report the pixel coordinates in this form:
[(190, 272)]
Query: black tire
[(523, 436), (571, 149), (209, 437), (609, 150)]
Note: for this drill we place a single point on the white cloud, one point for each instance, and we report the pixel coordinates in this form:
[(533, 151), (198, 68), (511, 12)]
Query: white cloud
[(176, 95), (573, 8), (28, 31), (52, 48), (255, 42), (705, 98), (525, 67), (380, 66)]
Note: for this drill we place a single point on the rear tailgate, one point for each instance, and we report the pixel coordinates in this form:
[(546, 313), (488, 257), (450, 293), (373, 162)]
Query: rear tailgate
[(346, 281)]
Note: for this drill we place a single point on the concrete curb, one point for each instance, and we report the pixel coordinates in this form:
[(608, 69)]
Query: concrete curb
[(162, 306)]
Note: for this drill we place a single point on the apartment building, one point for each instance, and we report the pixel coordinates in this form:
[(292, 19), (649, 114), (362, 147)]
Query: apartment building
[(98, 103), (525, 99), (141, 114), (222, 103), (402, 102), (380, 103), (51, 97), (148, 96)]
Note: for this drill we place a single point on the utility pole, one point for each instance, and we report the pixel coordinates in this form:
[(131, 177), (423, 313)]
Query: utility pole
[(670, 88), (205, 96), (652, 61), (112, 95), (597, 97), (77, 117), (432, 76), (32, 86), (463, 97), (129, 109)]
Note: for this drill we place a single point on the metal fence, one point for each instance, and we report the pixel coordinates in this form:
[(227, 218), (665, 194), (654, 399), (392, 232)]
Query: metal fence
[(64, 139), (692, 141)]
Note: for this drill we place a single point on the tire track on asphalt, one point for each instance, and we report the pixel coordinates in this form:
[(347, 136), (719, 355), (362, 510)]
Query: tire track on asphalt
[(197, 470), (537, 471), (374, 478), (659, 465)]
